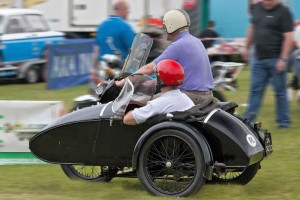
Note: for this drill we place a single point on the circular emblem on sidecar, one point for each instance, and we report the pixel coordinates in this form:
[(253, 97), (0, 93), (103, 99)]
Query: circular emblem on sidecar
[(251, 140)]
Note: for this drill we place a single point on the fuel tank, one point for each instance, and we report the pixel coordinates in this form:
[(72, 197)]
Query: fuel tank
[(232, 141)]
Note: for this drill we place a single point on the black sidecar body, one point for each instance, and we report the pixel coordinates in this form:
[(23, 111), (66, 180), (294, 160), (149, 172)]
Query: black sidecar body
[(172, 154)]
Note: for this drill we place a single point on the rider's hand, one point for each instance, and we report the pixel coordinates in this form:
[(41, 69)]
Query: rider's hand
[(120, 83)]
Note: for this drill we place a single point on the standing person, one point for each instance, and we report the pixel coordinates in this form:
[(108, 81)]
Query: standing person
[(271, 32), (114, 35), (189, 52), (170, 75), (210, 34)]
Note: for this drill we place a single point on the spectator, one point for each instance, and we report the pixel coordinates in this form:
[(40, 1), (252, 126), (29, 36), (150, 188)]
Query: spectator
[(208, 35), (189, 52), (170, 74), (271, 32), (114, 35)]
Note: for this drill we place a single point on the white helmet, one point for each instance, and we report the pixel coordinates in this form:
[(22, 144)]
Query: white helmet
[(175, 20)]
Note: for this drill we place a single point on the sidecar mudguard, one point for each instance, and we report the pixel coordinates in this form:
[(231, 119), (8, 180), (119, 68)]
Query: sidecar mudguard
[(231, 141), (71, 137)]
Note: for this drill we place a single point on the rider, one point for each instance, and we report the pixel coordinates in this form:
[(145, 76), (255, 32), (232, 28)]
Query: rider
[(189, 52), (170, 75)]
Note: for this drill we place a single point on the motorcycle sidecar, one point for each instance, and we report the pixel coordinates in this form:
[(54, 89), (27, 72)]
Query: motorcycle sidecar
[(170, 158)]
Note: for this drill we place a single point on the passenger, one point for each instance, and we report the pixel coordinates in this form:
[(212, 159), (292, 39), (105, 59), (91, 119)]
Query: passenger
[(189, 52), (170, 75)]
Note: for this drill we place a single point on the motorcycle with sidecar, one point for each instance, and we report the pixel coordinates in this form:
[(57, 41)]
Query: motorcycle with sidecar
[(171, 154)]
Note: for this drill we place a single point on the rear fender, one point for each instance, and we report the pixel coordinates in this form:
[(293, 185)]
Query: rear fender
[(193, 132), (238, 144)]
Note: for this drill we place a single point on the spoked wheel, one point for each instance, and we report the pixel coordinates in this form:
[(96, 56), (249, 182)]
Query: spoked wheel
[(90, 173), (171, 164), (241, 177)]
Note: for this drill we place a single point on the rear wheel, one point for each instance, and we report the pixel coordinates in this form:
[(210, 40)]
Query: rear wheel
[(240, 177), (90, 173), (171, 164)]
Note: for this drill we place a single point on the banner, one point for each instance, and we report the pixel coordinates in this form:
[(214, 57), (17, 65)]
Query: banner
[(69, 64), (19, 122)]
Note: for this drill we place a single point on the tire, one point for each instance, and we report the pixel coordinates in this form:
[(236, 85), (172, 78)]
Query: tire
[(219, 96), (171, 164), (32, 75), (234, 177), (90, 173)]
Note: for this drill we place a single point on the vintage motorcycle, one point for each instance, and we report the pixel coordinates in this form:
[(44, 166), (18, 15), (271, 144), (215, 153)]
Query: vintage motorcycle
[(225, 77), (171, 154)]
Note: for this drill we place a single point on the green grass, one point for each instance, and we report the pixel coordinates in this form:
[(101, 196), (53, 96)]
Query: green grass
[(279, 177)]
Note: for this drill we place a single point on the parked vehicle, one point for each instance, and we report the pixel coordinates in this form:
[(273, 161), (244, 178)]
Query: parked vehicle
[(172, 154), (79, 19), (24, 37), (225, 77)]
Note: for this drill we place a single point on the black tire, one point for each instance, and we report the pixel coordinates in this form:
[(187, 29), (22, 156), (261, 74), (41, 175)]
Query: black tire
[(219, 96), (241, 177), (171, 164), (90, 173), (32, 75)]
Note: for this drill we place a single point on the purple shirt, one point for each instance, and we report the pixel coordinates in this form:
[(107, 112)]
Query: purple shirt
[(191, 54)]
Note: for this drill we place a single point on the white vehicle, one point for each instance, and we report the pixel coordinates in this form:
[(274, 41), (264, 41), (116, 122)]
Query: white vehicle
[(79, 18)]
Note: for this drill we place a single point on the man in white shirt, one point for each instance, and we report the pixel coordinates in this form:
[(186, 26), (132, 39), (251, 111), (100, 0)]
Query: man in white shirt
[(170, 75)]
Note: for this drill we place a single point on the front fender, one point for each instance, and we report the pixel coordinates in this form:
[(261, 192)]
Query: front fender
[(193, 132)]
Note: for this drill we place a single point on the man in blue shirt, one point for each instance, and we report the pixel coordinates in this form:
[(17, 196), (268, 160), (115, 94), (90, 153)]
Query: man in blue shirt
[(189, 52), (114, 35)]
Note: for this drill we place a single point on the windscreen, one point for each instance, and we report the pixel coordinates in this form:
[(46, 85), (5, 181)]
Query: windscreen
[(138, 89), (139, 52)]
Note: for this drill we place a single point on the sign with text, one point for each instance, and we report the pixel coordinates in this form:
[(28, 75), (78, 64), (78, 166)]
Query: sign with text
[(69, 64), (21, 120)]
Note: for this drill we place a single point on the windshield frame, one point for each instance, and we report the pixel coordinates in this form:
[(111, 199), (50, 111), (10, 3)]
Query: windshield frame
[(138, 89)]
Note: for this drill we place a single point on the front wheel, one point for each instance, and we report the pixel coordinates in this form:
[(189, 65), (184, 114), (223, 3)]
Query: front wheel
[(171, 164), (90, 173)]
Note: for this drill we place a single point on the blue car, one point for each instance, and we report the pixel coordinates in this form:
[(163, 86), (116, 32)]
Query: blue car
[(24, 37)]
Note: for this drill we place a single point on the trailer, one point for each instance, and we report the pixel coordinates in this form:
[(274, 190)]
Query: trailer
[(79, 18)]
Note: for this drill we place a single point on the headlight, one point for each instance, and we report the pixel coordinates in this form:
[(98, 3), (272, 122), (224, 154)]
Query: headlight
[(100, 88)]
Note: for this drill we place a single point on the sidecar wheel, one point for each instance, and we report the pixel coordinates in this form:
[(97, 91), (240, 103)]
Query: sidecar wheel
[(171, 164), (90, 173), (234, 177)]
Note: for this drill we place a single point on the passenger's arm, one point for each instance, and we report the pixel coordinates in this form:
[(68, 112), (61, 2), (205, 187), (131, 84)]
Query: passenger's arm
[(129, 119)]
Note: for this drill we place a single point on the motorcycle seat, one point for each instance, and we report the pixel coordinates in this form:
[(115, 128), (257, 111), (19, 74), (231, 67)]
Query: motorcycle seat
[(227, 106)]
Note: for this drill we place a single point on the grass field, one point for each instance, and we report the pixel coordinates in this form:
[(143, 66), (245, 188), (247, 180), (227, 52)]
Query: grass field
[(279, 177)]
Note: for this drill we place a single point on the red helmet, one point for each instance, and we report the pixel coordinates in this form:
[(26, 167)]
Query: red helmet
[(170, 72)]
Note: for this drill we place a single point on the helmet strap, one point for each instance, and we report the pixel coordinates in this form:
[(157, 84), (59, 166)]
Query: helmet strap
[(159, 84)]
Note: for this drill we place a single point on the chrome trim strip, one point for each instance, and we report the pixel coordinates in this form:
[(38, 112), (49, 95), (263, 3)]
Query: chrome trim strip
[(210, 114), (103, 109)]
